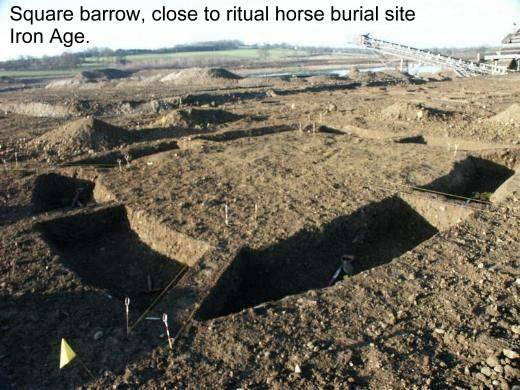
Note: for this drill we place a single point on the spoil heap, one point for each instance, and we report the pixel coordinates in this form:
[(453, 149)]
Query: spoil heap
[(84, 135), (200, 76), (195, 118)]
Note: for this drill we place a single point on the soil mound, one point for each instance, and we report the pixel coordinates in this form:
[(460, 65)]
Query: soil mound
[(65, 83), (201, 76), (84, 135), (93, 76), (7, 80), (89, 77), (413, 112), (197, 118), (508, 116), (381, 78)]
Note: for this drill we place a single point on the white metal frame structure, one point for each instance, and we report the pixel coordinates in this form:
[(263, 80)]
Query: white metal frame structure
[(461, 67)]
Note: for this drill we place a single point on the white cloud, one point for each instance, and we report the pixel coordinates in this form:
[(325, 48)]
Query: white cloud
[(438, 23)]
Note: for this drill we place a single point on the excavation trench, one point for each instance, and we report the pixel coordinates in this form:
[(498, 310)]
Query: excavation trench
[(53, 191), (452, 144), (473, 177), (374, 235), (105, 250)]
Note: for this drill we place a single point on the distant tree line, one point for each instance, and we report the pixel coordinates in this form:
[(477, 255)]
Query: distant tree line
[(63, 61), (74, 60), (119, 57)]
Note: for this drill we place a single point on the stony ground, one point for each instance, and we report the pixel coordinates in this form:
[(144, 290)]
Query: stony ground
[(246, 197)]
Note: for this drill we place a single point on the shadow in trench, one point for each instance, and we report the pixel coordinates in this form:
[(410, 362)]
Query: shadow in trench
[(102, 249), (53, 192), (473, 177), (374, 234)]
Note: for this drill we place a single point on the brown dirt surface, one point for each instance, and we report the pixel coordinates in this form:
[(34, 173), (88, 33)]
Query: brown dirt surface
[(235, 230)]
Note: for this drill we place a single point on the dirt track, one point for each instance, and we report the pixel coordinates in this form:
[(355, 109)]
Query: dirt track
[(308, 170)]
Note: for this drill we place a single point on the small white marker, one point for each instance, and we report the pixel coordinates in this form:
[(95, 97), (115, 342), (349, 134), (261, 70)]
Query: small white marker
[(165, 321), (119, 161), (226, 211), (16, 158), (127, 310)]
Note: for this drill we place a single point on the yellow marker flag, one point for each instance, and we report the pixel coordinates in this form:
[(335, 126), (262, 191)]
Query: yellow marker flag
[(67, 354)]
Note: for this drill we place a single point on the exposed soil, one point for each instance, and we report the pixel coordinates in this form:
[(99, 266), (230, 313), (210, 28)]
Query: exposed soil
[(229, 205), (374, 234)]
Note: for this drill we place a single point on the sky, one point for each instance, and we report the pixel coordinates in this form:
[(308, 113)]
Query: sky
[(439, 23)]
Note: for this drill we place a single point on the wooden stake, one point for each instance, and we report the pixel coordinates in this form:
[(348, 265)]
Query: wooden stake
[(149, 279), (85, 367), (119, 163), (76, 198)]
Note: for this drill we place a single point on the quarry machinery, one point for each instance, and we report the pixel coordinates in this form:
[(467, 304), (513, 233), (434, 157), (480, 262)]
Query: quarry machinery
[(462, 67)]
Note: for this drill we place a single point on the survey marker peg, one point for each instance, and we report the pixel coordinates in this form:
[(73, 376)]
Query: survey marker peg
[(127, 311), (165, 321)]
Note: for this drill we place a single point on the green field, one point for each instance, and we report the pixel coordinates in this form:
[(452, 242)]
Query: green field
[(238, 54), (40, 73)]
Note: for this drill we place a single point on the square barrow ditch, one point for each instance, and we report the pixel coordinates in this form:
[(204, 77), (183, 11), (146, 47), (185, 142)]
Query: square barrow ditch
[(375, 235), (123, 252)]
